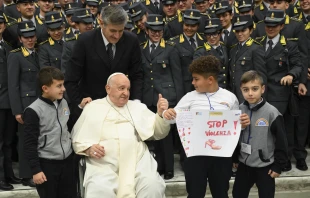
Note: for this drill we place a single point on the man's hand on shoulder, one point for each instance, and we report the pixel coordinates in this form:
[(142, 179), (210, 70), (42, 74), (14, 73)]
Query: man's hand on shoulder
[(84, 102), (162, 105), (39, 178), (95, 151)]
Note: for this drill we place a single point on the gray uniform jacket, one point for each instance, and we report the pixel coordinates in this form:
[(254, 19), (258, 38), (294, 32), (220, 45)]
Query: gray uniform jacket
[(4, 93), (50, 53)]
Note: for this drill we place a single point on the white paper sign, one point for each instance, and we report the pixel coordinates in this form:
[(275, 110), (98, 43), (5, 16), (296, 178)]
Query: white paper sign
[(209, 133)]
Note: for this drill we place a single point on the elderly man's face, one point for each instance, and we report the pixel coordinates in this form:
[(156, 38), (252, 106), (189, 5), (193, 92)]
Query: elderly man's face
[(118, 90)]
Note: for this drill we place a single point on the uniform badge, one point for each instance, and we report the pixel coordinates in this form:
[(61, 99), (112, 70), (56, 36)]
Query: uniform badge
[(164, 65), (66, 111), (242, 62), (280, 63)]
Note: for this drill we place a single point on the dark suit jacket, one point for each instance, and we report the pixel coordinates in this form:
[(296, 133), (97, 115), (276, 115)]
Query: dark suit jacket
[(251, 56), (89, 68), (276, 64), (22, 79), (162, 74), (50, 53), (206, 50), (4, 94), (186, 53), (67, 53), (151, 9)]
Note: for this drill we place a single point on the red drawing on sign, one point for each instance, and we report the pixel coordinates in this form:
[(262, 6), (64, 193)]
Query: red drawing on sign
[(235, 133), (235, 124), (189, 133), (211, 144)]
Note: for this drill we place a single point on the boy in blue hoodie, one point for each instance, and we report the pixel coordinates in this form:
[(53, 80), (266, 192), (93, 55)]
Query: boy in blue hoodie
[(262, 150)]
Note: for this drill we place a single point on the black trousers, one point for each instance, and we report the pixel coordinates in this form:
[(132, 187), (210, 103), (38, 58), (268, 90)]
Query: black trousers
[(8, 129), (302, 127), (24, 167), (202, 169), (248, 176), (60, 179)]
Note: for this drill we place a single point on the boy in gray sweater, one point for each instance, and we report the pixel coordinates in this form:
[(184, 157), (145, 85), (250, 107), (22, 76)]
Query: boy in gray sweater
[(262, 150)]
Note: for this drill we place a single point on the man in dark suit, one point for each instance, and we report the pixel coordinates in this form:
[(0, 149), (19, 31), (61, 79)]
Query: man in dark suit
[(101, 52), (23, 67), (8, 124), (284, 69), (50, 50), (215, 47)]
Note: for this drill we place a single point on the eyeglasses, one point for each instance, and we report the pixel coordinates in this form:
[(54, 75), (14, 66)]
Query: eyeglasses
[(214, 35), (156, 31), (56, 30)]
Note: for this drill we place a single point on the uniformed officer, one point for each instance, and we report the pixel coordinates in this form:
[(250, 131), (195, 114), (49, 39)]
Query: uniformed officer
[(27, 10), (169, 9), (45, 6), (186, 44), (223, 11), (8, 124), (301, 133), (246, 7), (173, 19), (11, 10), (50, 50), (202, 5), (185, 5), (246, 55), (129, 25), (284, 69), (23, 66), (215, 47), (57, 7), (162, 75), (83, 19), (72, 29), (93, 6), (153, 6), (139, 17)]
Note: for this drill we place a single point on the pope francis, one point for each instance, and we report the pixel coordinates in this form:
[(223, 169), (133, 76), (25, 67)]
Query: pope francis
[(110, 132)]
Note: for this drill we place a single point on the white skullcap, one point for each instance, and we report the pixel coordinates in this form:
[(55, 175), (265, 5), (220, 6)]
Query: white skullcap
[(114, 74)]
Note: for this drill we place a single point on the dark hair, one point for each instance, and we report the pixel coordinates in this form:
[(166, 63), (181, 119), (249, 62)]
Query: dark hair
[(47, 74), (251, 76), (206, 66)]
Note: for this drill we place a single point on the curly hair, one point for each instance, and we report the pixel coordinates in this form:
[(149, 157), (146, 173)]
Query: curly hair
[(206, 66)]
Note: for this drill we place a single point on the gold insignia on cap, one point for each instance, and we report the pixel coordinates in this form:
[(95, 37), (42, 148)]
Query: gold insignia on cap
[(133, 11), (156, 20), (220, 5), (272, 15), (238, 20), (210, 23), (69, 6), (87, 13), (53, 19), (191, 15), (243, 2), (27, 27)]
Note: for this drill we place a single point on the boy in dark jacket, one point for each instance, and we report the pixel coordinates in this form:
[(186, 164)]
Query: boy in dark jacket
[(262, 152)]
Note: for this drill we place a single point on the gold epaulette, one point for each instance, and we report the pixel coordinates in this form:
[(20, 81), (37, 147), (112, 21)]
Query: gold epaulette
[(258, 43), (170, 43), (222, 43), (201, 46), (15, 50), (171, 19), (260, 39), (295, 19), (234, 45), (8, 43), (11, 23), (173, 38), (43, 42), (292, 39), (10, 18), (70, 39), (205, 14), (143, 43), (259, 21)]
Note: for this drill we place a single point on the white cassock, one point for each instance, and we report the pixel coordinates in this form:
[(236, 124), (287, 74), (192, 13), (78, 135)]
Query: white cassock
[(127, 170)]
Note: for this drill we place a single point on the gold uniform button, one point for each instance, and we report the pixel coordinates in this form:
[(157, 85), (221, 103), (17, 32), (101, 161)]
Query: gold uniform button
[(223, 67), (26, 94), (151, 78), (152, 86), (169, 85), (234, 65), (29, 69), (224, 82), (151, 71), (150, 64)]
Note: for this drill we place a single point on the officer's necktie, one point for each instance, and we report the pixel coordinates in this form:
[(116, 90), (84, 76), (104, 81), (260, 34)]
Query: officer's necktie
[(110, 53), (2, 48), (156, 5), (193, 44), (219, 50), (34, 56), (226, 32), (60, 42), (153, 46), (269, 48)]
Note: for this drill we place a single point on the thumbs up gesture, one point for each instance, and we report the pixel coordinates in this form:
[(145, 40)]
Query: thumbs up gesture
[(162, 105)]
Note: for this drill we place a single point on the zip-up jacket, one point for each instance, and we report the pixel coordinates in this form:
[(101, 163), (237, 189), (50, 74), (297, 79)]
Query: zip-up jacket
[(266, 135), (46, 132)]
